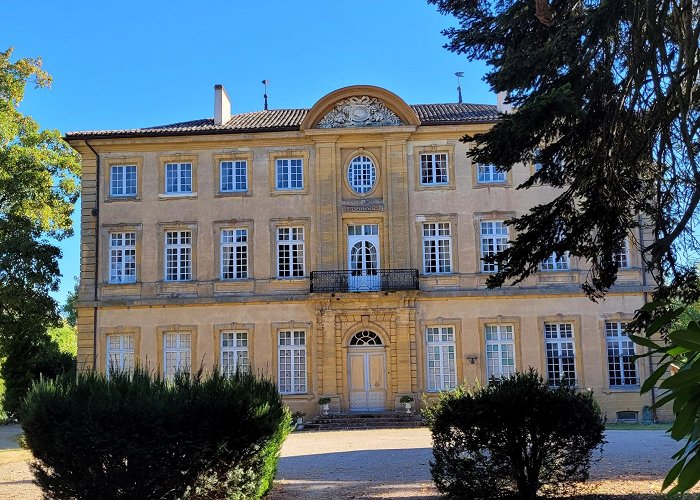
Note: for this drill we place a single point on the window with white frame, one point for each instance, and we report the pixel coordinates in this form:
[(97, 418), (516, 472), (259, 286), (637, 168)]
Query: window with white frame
[(622, 368), (489, 174), (120, 354), (177, 353), (178, 178), (234, 254), (289, 173), (122, 257), (290, 252), (623, 256), (437, 248), (556, 263), (362, 175), (441, 357), (291, 366), (433, 169), (178, 255), (500, 350), (234, 352), (494, 239), (559, 349), (122, 180), (233, 176)]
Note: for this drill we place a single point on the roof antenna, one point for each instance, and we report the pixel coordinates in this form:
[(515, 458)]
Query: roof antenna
[(265, 82), (459, 74)]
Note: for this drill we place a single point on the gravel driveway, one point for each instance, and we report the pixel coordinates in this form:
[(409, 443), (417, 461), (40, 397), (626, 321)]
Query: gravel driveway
[(388, 463)]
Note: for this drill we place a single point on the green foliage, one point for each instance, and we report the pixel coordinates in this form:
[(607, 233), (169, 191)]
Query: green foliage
[(606, 102), (195, 437), (38, 187), (406, 399), (66, 338), (677, 375), (69, 311), (516, 436), (324, 400)]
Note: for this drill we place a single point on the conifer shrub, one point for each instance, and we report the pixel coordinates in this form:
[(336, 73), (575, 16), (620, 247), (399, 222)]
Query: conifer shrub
[(138, 436), (516, 437)]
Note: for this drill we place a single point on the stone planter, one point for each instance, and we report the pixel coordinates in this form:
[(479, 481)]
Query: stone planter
[(324, 409), (408, 407)]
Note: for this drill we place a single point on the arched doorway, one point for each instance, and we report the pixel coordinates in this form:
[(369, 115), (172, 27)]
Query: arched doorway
[(367, 372)]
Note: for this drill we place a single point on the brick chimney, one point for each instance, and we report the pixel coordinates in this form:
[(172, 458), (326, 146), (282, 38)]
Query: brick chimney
[(222, 105)]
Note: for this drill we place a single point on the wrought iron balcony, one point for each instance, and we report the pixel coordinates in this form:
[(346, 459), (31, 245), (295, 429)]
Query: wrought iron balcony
[(373, 280)]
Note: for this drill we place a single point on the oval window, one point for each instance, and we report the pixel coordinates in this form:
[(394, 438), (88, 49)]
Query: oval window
[(361, 174)]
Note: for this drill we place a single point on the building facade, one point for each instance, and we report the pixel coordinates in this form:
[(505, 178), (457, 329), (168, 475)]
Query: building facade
[(337, 250)]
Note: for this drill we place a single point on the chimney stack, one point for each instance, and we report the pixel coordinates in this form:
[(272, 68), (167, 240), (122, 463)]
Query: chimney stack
[(501, 105), (222, 105)]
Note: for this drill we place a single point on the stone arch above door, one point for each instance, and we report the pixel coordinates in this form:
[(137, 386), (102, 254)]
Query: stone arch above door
[(366, 338)]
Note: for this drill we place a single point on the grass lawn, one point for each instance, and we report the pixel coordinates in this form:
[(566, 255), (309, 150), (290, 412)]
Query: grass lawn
[(637, 427)]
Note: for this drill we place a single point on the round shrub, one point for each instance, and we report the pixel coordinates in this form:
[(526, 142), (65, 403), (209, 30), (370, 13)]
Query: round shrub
[(137, 436), (513, 438)]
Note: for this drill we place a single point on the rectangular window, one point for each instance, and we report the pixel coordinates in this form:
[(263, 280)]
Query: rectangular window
[(291, 376), (489, 173), (559, 348), (234, 352), (437, 248), (500, 351), (122, 257), (122, 180), (494, 239), (555, 263), (178, 178), (120, 354), (622, 369), (433, 169), (442, 368), (234, 254), (622, 257), (290, 252), (289, 174), (176, 353), (234, 176), (178, 255)]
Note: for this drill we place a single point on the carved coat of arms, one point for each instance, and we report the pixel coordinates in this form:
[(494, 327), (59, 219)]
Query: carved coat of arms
[(360, 111)]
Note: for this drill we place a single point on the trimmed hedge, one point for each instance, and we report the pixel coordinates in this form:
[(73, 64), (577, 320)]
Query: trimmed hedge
[(516, 437), (137, 436)]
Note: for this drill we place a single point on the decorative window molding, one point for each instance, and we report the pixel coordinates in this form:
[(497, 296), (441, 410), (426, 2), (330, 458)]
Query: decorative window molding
[(623, 256), (178, 176), (362, 175), (234, 253), (233, 347), (289, 172), (122, 257), (289, 250), (500, 337), (177, 254), (292, 361), (434, 167), (560, 352), (118, 346), (556, 263), (233, 174), (122, 179), (493, 238)]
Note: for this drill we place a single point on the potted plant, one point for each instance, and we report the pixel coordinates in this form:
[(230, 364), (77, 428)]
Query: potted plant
[(406, 401), (324, 402), (298, 416)]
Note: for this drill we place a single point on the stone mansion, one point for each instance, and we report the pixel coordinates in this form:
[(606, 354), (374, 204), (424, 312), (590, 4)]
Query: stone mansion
[(337, 250)]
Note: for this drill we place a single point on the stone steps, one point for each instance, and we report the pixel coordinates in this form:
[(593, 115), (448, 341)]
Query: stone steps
[(349, 421)]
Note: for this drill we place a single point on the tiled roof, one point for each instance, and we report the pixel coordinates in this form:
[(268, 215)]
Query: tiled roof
[(278, 120)]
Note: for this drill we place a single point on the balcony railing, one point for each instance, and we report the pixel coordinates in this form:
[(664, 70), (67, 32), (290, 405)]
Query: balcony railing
[(384, 280)]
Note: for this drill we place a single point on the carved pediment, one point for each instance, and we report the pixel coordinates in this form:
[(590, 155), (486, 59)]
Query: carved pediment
[(359, 111)]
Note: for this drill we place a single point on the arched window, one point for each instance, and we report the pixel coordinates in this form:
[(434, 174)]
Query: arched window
[(365, 338), (362, 174)]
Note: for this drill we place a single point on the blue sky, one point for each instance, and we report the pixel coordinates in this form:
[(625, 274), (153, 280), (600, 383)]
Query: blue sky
[(138, 63)]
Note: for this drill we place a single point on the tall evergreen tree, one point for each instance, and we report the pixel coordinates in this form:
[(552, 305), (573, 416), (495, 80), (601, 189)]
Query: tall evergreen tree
[(38, 189), (608, 103)]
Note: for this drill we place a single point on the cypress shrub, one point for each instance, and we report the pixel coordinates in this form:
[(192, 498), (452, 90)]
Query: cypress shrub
[(516, 437), (138, 436)]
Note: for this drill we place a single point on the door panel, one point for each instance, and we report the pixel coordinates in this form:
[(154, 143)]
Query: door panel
[(376, 391), (358, 394), (363, 258), (367, 380)]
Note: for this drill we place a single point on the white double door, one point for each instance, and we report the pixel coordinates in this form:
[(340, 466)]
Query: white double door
[(367, 388), (363, 257)]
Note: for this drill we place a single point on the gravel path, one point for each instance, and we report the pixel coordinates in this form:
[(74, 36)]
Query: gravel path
[(388, 463)]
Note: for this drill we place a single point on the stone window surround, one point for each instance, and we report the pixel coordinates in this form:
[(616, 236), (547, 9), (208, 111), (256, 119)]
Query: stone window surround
[(447, 149), (217, 227), (453, 219), (292, 222), (575, 320), (161, 330), (163, 227), (421, 347), (377, 168), (217, 158), (500, 320), (176, 158), (277, 327), (114, 161), (220, 328), (101, 339), (105, 231), (480, 217), (641, 367), (273, 156)]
